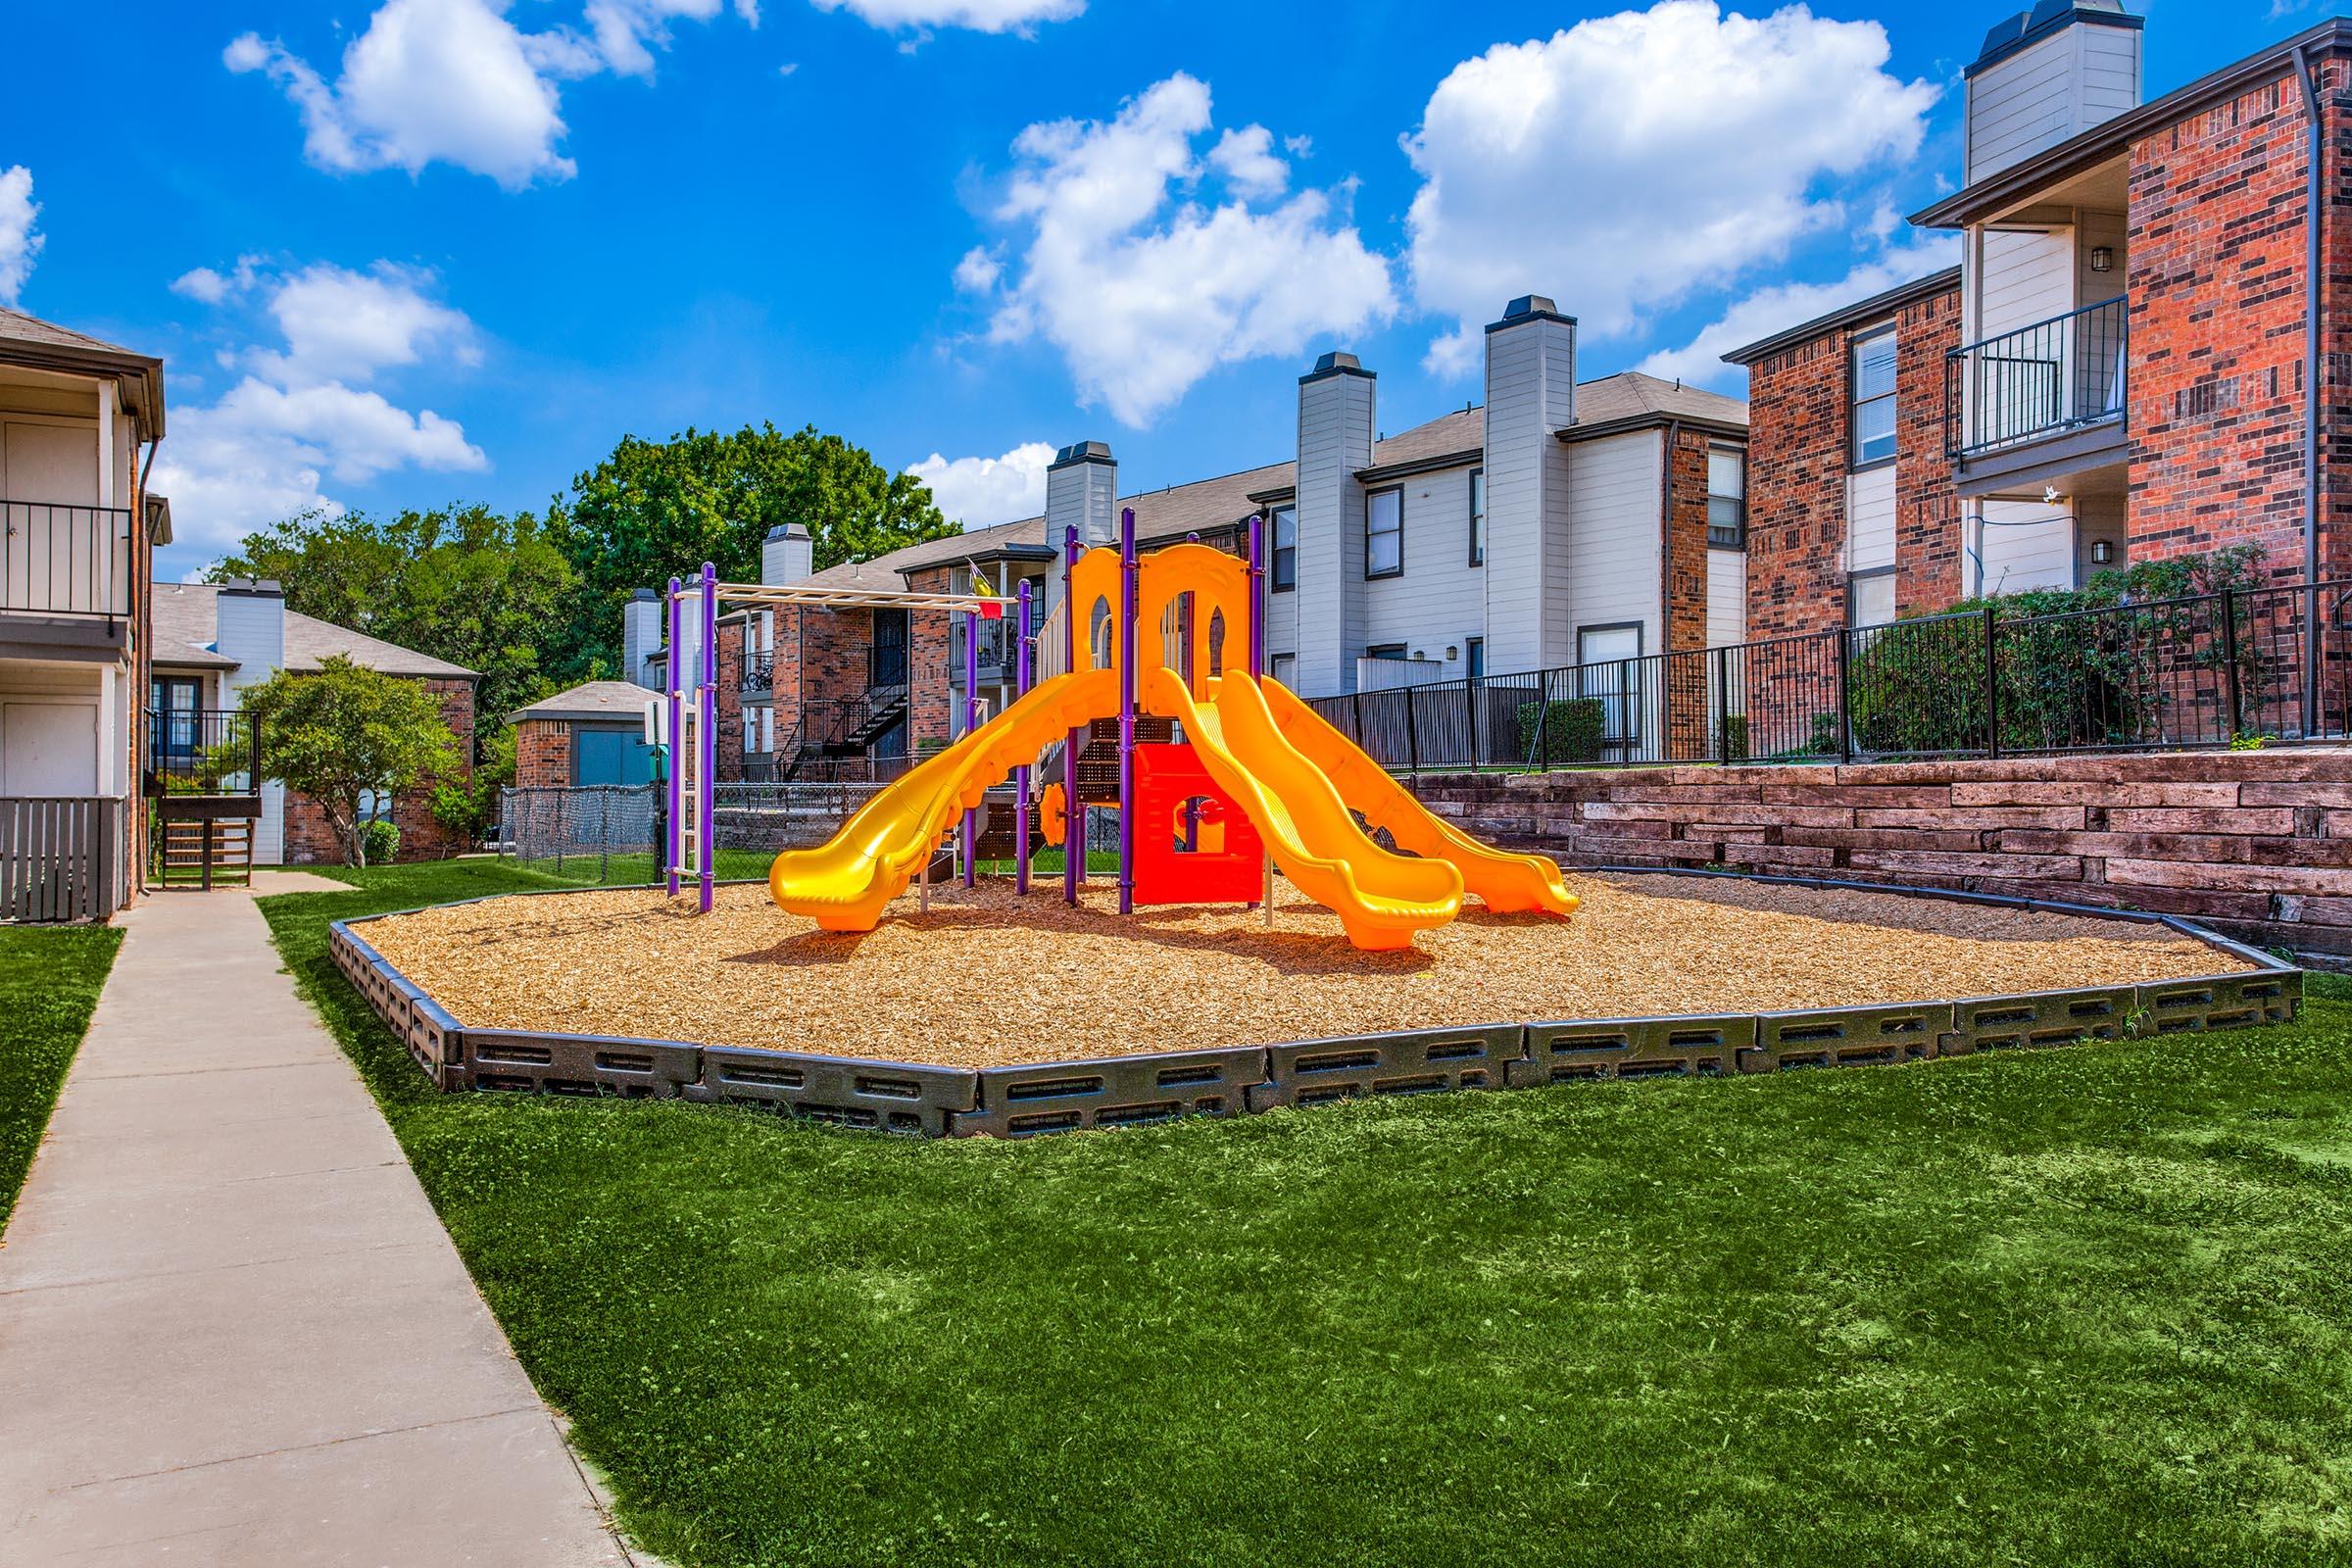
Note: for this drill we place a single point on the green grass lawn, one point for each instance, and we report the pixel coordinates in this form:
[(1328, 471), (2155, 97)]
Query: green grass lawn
[(2087, 1306), (50, 977)]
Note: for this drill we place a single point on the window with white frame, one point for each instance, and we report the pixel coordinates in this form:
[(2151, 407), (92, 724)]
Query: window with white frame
[(1384, 532), (1874, 397), (1727, 498), (1284, 667), (1478, 516), (1286, 548)]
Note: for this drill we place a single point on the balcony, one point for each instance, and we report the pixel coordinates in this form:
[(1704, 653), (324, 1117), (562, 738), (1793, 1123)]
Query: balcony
[(758, 674), (2041, 401), (58, 559)]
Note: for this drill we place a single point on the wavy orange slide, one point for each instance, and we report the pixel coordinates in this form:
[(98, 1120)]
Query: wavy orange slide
[(1381, 899), (1507, 883), (846, 883)]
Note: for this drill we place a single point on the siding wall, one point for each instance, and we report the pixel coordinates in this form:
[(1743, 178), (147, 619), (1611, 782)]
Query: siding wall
[(1336, 413), (2037, 98), (1727, 597), (1869, 519), (1442, 599), (1613, 488), (1531, 393), (2028, 545), (2022, 278)]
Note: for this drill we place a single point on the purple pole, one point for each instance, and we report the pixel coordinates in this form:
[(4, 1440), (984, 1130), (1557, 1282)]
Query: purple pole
[(674, 677), (706, 732), (1258, 597), (1020, 774), (1128, 573), (1073, 826), (971, 722)]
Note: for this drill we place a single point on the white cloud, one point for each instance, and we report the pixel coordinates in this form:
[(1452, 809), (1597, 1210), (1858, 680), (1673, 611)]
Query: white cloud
[(1633, 158), (1299, 146), (1786, 305), (454, 81), (1143, 283), (978, 272), (343, 326), (19, 242), (979, 15), (978, 492), (1245, 158), (293, 421)]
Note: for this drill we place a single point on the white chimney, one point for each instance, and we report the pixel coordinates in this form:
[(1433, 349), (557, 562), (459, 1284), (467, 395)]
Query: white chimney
[(1082, 490), (641, 634), (1531, 396), (1337, 410), (788, 557), (250, 628), (2047, 74)]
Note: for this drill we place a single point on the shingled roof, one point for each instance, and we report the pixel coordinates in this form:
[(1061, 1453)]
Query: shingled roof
[(187, 624)]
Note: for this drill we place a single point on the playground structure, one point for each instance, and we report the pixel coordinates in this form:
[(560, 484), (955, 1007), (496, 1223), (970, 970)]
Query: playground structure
[(1257, 780)]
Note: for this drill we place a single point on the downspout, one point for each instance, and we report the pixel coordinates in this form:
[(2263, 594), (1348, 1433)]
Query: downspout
[(2306, 72)]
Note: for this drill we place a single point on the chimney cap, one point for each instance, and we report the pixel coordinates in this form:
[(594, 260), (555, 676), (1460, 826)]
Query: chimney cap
[(253, 588), (787, 530), (1080, 452), (647, 596), (2013, 34), (1530, 308), (1336, 363)]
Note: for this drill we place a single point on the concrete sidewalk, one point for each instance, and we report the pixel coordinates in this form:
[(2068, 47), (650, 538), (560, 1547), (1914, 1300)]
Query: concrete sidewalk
[(232, 1329)]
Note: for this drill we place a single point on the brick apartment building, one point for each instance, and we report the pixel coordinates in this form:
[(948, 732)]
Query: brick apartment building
[(2131, 362), (1560, 522)]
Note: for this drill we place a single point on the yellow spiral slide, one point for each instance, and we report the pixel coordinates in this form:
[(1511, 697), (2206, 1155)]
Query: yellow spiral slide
[(847, 882)]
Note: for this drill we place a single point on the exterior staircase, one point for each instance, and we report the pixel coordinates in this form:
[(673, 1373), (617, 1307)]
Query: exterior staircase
[(205, 852)]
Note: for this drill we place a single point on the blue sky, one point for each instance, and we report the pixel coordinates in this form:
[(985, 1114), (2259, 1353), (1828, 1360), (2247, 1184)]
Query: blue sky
[(413, 251)]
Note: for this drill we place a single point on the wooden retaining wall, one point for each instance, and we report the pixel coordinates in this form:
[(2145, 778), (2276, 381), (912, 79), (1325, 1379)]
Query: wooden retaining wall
[(2255, 844)]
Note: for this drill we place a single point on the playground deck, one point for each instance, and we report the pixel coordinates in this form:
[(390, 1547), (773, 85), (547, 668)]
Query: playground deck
[(987, 978)]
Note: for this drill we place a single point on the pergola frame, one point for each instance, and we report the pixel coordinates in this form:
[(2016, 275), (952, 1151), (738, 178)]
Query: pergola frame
[(761, 596)]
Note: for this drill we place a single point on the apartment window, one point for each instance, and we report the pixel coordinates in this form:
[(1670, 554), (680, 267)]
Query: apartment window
[(1478, 516), (1384, 650), (1384, 533), (1286, 548), (1474, 658), (1874, 397), (1727, 498), (1870, 598), (1284, 667)]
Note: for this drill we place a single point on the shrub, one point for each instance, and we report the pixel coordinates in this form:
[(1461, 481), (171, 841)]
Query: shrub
[(1735, 737), (1568, 731), (379, 843)]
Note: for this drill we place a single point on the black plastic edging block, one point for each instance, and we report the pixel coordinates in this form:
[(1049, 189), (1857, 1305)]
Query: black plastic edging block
[(1574, 1048), (1111, 1092), (1306, 1072)]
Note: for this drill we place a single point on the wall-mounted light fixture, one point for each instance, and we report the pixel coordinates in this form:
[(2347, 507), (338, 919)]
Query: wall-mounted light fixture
[(2102, 551), (2102, 259)]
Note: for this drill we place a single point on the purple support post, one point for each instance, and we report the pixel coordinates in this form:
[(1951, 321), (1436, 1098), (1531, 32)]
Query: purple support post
[(1258, 597), (1073, 826), (705, 733), (674, 677), (1128, 575), (971, 722), (1020, 774)]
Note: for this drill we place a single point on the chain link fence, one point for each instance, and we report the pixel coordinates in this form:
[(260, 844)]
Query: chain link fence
[(612, 835)]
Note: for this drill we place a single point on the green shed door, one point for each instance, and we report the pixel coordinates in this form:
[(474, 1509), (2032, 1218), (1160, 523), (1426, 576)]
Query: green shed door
[(611, 757)]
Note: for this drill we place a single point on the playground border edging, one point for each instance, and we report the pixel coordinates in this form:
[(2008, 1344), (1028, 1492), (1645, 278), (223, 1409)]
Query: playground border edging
[(927, 1099)]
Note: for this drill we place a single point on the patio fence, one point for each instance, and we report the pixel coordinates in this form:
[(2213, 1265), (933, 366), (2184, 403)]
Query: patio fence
[(2272, 665)]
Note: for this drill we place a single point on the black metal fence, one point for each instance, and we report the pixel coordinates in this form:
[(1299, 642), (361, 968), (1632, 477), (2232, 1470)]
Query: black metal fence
[(203, 751), (613, 834), (2262, 663)]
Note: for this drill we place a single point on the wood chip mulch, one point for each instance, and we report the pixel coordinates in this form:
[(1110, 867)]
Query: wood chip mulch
[(988, 978)]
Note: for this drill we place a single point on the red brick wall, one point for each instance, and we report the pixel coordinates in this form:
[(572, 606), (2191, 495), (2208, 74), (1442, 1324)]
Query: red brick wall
[(730, 700), (2214, 259), (927, 655), (1683, 553), (310, 841), (1927, 509), (542, 753), (2259, 844), (1796, 466)]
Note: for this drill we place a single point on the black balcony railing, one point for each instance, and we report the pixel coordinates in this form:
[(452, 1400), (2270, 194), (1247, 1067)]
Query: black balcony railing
[(60, 559), (758, 674), (2261, 663), (2066, 373), (203, 751)]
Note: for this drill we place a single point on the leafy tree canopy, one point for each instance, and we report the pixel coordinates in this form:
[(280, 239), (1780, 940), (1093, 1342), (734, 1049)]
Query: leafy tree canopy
[(467, 585), (346, 731), (654, 509)]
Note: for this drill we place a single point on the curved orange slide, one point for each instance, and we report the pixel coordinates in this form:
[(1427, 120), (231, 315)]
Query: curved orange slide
[(846, 883), (1505, 883), (1381, 899)]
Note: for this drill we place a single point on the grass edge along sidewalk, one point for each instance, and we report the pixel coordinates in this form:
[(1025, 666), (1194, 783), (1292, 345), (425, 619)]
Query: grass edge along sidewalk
[(50, 978), (2087, 1304)]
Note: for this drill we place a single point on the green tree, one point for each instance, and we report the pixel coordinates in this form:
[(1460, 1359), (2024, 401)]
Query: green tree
[(345, 732), (654, 509), (467, 585)]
